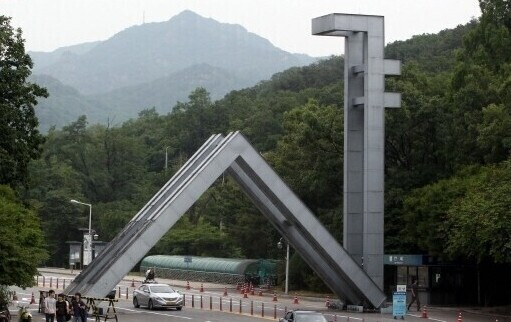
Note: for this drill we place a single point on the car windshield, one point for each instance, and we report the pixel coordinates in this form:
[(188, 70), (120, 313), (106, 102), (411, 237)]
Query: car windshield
[(310, 318), (161, 289)]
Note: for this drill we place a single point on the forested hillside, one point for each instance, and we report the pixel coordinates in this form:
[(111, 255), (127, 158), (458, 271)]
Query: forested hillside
[(447, 162), (153, 65)]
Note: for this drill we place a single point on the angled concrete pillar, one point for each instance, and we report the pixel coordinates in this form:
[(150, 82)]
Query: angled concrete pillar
[(364, 132)]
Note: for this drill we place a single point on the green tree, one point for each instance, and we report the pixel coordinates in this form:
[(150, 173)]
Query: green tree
[(480, 222), (21, 241), (19, 139), (482, 78)]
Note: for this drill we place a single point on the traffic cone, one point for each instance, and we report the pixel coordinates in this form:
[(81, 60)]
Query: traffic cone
[(274, 297), (424, 312), (202, 288), (14, 296), (225, 291), (252, 292), (245, 294), (242, 290), (260, 292), (327, 303), (187, 285), (32, 300), (133, 283), (460, 319), (295, 301)]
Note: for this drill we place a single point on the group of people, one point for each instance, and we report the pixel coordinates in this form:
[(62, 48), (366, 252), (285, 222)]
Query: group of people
[(62, 310)]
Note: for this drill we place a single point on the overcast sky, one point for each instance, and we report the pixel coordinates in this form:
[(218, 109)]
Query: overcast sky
[(49, 24)]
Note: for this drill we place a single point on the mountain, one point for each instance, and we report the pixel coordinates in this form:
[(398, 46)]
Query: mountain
[(147, 52), (64, 105), (164, 92), (43, 59)]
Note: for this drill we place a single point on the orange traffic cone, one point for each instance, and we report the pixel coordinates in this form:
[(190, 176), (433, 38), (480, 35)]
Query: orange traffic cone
[(14, 296), (327, 303), (252, 292), (460, 319), (32, 300), (424, 312), (295, 301), (202, 287), (133, 283), (225, 291), (245, 294), (274, 297), (187, 285)]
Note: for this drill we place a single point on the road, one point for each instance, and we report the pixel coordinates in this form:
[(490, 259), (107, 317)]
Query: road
[(211, 312)]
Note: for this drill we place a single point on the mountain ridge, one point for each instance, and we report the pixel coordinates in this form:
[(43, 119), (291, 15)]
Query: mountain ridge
[(143, 53)]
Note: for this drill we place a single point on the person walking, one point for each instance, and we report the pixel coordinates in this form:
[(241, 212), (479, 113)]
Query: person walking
[(61, 308), (49, 306), (79, 309), (415, 295)]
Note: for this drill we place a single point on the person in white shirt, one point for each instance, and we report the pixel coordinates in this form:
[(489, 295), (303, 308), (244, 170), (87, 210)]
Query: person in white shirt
[(49, 306)]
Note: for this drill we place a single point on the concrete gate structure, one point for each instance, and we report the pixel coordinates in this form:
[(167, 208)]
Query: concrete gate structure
[(365, 100), (355, 275)]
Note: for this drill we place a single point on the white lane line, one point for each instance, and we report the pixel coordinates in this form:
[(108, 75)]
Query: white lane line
[(155, 313), (433, 319), (345, 317)]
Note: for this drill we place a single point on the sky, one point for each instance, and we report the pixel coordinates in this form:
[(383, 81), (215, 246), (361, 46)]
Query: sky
[(50, 24)]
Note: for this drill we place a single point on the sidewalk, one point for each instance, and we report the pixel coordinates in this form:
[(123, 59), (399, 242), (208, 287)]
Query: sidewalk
[(139, 279)]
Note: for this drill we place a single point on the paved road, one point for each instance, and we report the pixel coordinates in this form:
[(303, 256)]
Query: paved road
[(127, 312)]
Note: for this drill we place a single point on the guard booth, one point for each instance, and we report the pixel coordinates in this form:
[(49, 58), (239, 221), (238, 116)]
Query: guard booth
[(440, 283), (75, 254)]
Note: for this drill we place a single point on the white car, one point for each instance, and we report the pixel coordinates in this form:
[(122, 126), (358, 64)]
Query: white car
[(157, 296)]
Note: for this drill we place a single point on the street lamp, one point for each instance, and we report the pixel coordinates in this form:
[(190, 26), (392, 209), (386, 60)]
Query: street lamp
[(279, 245), (166, 158), (87, 239)]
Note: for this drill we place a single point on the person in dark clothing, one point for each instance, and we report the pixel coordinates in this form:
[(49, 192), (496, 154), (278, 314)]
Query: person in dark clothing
[(150, 275), (79, 308), (61, 308), (415, 295)]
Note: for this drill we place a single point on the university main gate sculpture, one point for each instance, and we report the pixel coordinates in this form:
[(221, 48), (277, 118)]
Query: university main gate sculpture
[(354, 274)]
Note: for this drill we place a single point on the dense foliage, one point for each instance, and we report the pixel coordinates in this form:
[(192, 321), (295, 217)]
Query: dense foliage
[(21, 242), (21, 239), (447, 156), (19, 136)]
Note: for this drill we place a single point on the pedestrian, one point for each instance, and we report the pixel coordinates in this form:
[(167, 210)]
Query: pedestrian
[(79, 308), (49, 306), (415, 295), (61, 308)]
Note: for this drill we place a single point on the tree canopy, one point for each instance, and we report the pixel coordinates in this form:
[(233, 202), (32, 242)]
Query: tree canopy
[(19, 137)]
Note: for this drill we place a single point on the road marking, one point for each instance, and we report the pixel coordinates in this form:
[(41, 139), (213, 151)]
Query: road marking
[(419, 316), (345, 317), (155, 313)]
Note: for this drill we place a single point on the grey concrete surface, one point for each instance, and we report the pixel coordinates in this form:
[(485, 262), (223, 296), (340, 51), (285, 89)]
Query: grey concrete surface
[(128, 313)]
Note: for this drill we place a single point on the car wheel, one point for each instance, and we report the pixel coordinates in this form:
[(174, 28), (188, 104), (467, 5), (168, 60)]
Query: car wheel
[(179, 308), (150, 305), (135, 303)]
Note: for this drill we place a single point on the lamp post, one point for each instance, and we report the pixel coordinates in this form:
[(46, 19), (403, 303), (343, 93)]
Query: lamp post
[(279, 245), (166, 158), (87, 239)]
